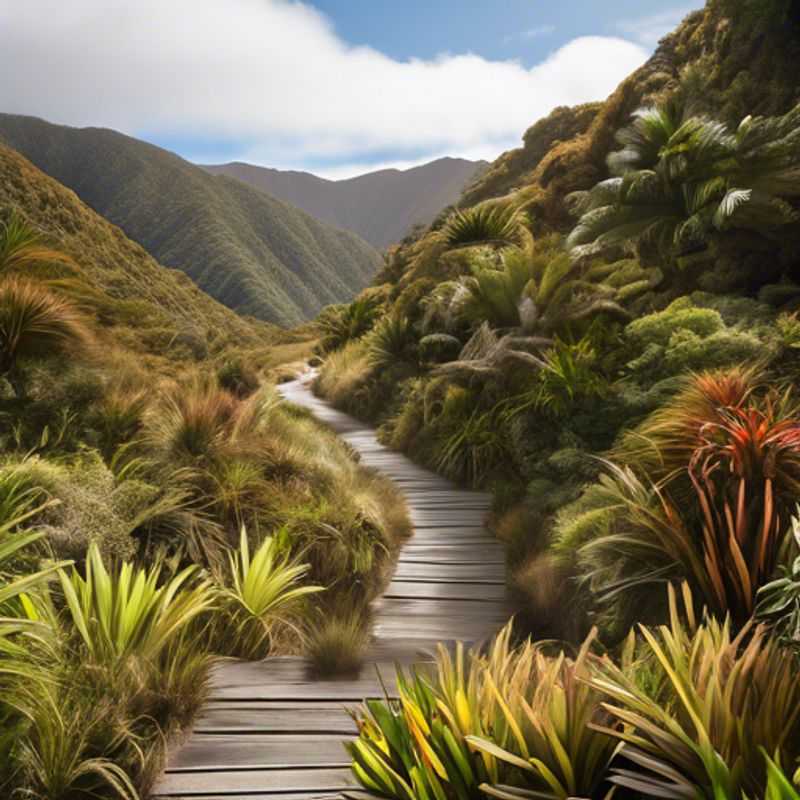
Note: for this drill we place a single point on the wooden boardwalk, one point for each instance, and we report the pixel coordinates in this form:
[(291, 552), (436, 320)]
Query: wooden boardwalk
[(268, 731)]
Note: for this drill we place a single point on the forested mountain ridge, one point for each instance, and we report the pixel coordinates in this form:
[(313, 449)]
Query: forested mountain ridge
[(147, 308), (248, 250), (381, 207)]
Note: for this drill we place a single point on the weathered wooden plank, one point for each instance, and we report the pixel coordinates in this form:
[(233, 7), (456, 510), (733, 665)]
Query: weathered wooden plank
[(211, 752), (450, 555), (477, 592), (254, 781), (279, 795), (255, 717), (452, 573), (288, 679)]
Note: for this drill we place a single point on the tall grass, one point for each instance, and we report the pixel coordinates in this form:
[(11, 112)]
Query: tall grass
[(34, 321)]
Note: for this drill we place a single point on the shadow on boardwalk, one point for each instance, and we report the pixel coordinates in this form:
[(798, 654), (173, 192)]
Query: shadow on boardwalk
[(268, 731)]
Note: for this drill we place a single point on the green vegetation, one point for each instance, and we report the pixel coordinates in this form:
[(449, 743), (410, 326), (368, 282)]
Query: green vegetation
[(243, 247), (381, 207), (152, 520), (621, 375), (687, 710), (606, 339)]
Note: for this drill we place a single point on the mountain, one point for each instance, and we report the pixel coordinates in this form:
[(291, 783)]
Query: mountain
[(252, 252), (381, 207), (152, 310)]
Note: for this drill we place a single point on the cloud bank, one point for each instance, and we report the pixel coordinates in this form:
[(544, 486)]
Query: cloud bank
[(273, 76)]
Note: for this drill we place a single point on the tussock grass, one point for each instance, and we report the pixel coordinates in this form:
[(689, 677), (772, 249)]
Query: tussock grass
[(338, 639)]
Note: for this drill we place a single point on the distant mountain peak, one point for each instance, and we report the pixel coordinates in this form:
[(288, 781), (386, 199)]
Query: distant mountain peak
[(253, 252), (380, 206)]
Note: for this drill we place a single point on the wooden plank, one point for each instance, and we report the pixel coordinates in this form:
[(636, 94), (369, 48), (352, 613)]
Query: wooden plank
[(254, 781), (450, 555), (258, 717), (475, 592), (288, 679), (279, 795), (211, 752), (452, 573)]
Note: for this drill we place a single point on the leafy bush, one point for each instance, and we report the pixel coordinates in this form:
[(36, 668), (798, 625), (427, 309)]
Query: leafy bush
[(345, 323), (391, 341), (779, 600), (681, 180), (536, 289), (87, 505), (437, 348)]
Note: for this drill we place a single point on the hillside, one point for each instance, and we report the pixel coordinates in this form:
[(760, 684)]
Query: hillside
[(720, 54), (381, 207), (253, 253), (608, 310), (145, 307)]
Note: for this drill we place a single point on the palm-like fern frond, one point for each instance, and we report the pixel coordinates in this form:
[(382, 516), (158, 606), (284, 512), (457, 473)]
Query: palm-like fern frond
[(532, 291), (677, 183), (485, 224)]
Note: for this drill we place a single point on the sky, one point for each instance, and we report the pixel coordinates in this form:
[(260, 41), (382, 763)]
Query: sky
[(335, 87)]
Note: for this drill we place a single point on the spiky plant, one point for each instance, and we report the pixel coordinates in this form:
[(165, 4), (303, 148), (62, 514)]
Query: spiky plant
[(679, 184), (192, 423), (24, 634), (259, 593), (337, 640), (391, 342), (471, 448), (485, 224), (554, 741), (35, 322), (21, 246), (568, 375), (664, 443), (119, 416), (712, 703), (340, 324), (131, 612), (55, 754), (417, 746)]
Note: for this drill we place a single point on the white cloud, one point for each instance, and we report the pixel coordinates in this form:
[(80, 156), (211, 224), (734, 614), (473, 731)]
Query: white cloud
[(273, 74), (648, 30)]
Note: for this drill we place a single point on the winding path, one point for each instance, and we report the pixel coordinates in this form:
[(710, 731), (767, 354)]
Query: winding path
[(267, 730)]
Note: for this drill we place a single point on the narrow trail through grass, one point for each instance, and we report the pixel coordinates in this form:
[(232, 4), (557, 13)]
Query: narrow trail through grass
[(270, 730)]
